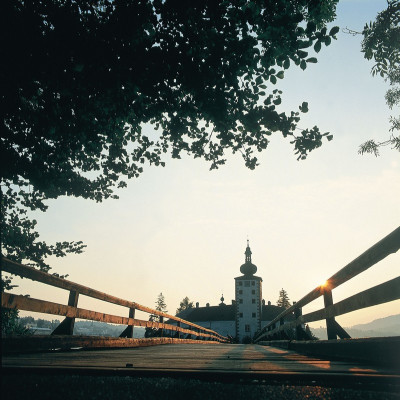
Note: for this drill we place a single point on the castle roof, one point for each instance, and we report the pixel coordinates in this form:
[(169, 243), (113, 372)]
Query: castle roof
[(248, 269), (226, 313), (212, 313)]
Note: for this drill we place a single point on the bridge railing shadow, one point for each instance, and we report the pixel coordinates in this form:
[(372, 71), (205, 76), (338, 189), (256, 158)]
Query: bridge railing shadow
[(383, 293), (181, 329)]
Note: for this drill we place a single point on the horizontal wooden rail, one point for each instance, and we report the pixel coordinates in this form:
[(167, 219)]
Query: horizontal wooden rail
[(388, 291), (383, 293), (43, 277), (28, 304), (72, 312)]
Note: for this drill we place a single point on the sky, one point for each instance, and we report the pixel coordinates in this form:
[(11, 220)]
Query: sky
[(182, 230)]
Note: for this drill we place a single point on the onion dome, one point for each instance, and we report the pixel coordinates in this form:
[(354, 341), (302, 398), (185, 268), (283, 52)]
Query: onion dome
[(248, 268)]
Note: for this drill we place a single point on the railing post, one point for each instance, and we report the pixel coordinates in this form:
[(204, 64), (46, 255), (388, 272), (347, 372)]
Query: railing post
[(330, 322), (67, 325), (128, 332), (179, 333), (299, 331), (281, 333), (161, 329)]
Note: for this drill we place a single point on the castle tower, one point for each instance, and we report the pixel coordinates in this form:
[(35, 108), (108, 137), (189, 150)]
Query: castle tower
[(248, 295)]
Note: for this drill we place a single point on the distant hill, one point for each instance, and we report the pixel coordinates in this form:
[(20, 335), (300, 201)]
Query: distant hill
[(90, 328), (388, 326), (94, 328)]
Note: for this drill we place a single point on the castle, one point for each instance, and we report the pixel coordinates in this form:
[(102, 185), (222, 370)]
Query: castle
[(247, 314)]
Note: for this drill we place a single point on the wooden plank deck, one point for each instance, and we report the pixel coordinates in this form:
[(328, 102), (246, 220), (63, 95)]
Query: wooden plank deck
[(196, 358)]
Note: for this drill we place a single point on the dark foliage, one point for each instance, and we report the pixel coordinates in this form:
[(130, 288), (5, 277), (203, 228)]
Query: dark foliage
[(82, 82), (382, 44)]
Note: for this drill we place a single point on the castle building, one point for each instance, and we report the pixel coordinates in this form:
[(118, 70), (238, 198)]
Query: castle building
[(247, 314), (248, 296)]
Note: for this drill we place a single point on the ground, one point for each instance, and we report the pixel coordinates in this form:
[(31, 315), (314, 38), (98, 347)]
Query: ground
[(38, 386)]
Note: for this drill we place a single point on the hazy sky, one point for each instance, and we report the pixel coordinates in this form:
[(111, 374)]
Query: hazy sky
[(181, 230)]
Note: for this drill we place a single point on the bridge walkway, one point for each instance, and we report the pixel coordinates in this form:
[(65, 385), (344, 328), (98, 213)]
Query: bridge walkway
[(234, 359)]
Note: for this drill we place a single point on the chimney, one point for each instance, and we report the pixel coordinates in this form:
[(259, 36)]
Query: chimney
[(233, 302), (197, 305), (263, 302), (269, 303), (208, 305)]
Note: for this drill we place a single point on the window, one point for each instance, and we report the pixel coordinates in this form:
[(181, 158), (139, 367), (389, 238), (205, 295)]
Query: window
[(240, 301), (240, 283), (240, 291), (253, 292), (253, 301), (253, 314), (241, 315), (247, 328), (247, 283), (253, 283)]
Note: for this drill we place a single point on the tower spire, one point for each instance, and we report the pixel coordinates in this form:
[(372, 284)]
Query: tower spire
[(248, 268), (248, 253)]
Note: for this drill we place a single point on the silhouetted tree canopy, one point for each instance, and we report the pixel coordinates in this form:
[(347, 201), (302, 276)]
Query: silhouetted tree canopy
[(184, 305), (283, 300), (161, 305), (91, 91), (381, 43)]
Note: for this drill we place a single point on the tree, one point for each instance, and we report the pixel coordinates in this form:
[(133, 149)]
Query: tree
[(81, 80), (184, 305), (283, 300), (309, 333), (160, 306), (382, 44), (11, 323)]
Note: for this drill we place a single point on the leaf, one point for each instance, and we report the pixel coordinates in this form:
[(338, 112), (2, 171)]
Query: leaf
[(280, 75), (302, 53), (273, 79), (317, 46), (312, 60), (311, 26), (334, 31), (304, 107), (303, 65), (286, 64), (329, 137), (327, 40)]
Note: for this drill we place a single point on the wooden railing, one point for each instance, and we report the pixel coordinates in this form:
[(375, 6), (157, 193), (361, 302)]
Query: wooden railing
[(182, 329), (383, 293)]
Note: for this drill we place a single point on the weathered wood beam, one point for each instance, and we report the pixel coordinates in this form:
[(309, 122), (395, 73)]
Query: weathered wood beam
[(383, 293), (330, 322), (19, 302), (128, 331), (341, 332), (40, 276), (21, 344), (66, 327), (388, 245)]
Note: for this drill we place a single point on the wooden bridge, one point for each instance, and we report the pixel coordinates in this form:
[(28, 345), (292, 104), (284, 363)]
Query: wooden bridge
[(281, 352)]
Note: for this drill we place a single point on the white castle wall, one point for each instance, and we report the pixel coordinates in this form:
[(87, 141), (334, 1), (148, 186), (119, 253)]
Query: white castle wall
[(248, 300), (222, 327)]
